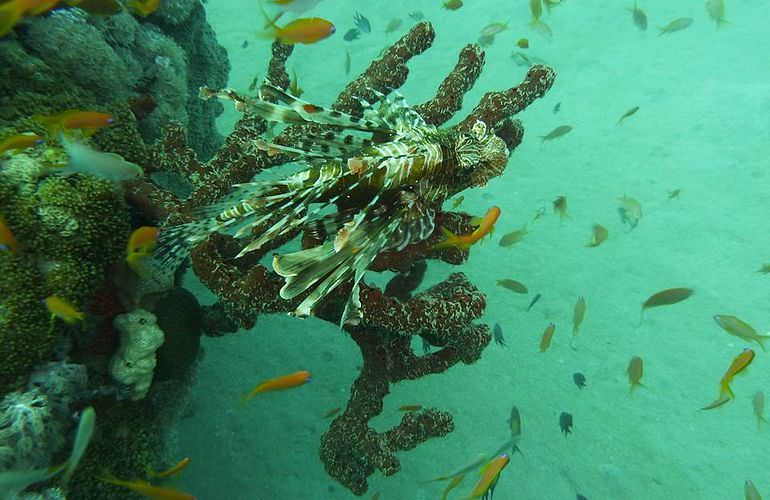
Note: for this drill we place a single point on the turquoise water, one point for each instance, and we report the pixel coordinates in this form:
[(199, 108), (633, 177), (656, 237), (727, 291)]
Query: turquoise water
[(703, 98), (701, 127)]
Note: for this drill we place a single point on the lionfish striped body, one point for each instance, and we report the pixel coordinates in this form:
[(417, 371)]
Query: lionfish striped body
[(372, 184)]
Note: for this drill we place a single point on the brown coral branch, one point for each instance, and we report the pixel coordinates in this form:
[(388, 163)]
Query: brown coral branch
[(495, 107), (449, 97), (350, 450), (387, 72)]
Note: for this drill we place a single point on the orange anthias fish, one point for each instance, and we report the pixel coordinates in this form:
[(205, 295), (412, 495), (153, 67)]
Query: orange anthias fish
[(140, 245), (465, 241), (89, 122), (143, 7), (62, 309), (304, 30), (8, 241), (176, 469), (146, 489), (20, 141), (740, 363), (279, 384), (490, 473)]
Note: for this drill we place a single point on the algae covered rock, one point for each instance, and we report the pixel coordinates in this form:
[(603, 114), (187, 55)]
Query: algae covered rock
[(70, 230)]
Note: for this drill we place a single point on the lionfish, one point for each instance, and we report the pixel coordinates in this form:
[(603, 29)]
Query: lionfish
[(370, 184)]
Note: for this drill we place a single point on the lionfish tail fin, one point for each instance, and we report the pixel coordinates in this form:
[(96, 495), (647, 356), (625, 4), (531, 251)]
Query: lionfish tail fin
[(325, 267)]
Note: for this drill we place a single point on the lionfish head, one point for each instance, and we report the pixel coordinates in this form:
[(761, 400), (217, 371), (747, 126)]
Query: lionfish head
[(482, 153)]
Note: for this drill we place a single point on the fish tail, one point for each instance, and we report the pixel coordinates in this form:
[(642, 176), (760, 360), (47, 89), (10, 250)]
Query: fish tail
[(450, 240), (326, 266), (761, 341), (10, 15)]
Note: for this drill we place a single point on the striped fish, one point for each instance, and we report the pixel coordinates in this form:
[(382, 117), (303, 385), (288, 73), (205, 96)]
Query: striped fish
[(363, 196)]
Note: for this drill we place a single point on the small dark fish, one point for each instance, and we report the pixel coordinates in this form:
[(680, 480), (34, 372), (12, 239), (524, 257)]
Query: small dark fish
[(523, 43), (486, 40), (599, 235), (514, 422), (332, 412), (628, 113), (352, 34), (513, 285), (245, 44), (579, 379), (578, 314), (534, 301), (416, 15), (393, 25), (640, 18), (674, 193), (556, 107), (635, 372), (559, 131), (347, 62), (497, 333), (410, 408), (580, 497), (676, 25), (362, 23), (560, 207), (565, 423), (402, 285), (425, 347), (510, 239), (665, 298), (764, 269), (545, 340)]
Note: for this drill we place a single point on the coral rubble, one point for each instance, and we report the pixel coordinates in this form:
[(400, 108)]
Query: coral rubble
[(444, 315)]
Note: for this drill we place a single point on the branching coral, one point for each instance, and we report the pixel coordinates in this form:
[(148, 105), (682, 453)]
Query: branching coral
[(444, 315)]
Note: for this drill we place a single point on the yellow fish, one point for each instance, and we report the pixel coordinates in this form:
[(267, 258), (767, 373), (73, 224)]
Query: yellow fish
[(8, 241), (143, 7), (490, 473), (19, 141), (62, 309), (599, 235), (176, 469), (146, 489), (739, 328), (140, 245), (279, 384), (740, 363)]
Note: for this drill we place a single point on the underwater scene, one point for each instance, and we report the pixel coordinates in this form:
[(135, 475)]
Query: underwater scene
[(333, 249)]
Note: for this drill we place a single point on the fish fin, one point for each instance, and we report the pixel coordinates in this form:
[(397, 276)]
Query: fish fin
[(10, 15), (761, 341), (318, 114), (450, 240), (722, 399), (325, 267)]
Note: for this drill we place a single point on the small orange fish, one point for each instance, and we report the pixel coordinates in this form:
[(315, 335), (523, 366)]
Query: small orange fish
[(464, 242), (146, 489), (740, 363), (62, 309), (89, 122), (305, 30), (8, 241), (143, 7), (176, 469), (279, 384), (545, 341), (489, 476), (20, 141), (140, 245)]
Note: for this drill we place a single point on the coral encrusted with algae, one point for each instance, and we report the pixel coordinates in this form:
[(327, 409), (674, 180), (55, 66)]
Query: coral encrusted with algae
[(70, 229)]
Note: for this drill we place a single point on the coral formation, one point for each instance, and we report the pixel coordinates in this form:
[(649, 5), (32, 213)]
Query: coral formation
[(444, 315), (70, 229), (69, 59), (33, 421), (134, 362)]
